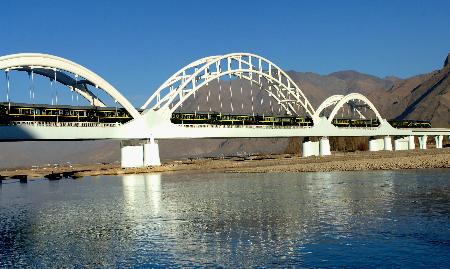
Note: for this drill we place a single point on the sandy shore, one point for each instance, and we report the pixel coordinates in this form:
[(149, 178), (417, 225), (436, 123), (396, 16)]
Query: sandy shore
[(338, 161)]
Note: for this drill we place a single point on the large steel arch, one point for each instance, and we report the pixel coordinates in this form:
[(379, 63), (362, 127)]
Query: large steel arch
[(181, 74), (45, 61), (282, 88), (353, 96)]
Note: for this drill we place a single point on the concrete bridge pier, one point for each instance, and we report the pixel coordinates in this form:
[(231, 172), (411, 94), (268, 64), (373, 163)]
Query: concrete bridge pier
[(423, 142), (131, 154), (401, 143), (136, 153), (376, 144), (151, 153), (411, 143), (306, 147), (438, 139), (387, 143), (324, 146), (316, 148)]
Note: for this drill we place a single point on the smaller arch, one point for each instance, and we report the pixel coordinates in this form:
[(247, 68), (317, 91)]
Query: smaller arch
[(332, 100), (353, 96)]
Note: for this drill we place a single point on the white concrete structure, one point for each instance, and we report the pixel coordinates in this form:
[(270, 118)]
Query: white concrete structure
[(411, 143), (376, 144), (387, 143), (151, 154), (131, 156), (310, 148), (401, 143), (438, 139), (324, 146), (423, 141)]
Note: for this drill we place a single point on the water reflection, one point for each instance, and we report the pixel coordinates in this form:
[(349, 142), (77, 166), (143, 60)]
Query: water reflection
[(233, 220), (139, 188)]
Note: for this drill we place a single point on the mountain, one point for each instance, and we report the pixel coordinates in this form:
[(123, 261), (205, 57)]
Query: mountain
[(421, 97)]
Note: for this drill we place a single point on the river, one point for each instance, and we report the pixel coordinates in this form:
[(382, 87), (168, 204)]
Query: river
[(335, 219)]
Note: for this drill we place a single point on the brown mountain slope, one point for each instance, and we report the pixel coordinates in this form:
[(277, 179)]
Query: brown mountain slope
[(430, 100)]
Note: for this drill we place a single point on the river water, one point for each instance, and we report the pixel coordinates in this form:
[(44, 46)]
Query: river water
[(337, 219)]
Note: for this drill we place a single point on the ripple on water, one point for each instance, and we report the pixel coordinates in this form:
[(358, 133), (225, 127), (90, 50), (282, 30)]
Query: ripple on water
[(338, 219)]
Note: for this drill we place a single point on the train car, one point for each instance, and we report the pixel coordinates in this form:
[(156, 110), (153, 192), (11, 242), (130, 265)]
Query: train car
[(13, 112), (345, 122), (237, 119), (112, 115), (304, 121), (190, 118), (410, 124)]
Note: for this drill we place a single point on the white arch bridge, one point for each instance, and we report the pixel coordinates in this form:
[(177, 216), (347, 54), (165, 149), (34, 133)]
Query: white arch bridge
[(154, 119)]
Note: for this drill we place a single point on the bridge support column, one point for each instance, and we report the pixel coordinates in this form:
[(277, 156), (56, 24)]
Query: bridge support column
[(411, 143), (311, 148), (151, 153), (306, 147), (423, 142), (401, 143), (438, 139), (376, 144), (131, 154), (324, 146), (387, 143)]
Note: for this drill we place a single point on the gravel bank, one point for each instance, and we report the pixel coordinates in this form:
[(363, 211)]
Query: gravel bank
[(338, 161)]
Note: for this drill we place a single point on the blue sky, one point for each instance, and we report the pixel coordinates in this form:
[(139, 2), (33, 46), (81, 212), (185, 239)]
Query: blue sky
[(136, 45)]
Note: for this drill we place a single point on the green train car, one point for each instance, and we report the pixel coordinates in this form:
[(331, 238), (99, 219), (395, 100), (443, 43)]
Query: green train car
[(238, 119), (13, 112), (410, 124)]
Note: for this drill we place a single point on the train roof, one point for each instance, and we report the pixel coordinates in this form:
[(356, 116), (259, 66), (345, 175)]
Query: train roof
[(25, 105)]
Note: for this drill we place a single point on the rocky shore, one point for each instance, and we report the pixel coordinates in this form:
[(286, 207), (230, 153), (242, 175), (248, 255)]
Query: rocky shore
[(338, 161)]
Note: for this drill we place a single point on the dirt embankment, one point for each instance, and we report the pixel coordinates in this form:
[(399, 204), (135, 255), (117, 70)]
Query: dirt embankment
[(412, 159)]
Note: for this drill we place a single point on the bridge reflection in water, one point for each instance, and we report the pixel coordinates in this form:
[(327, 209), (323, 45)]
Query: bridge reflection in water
[(232, 220)]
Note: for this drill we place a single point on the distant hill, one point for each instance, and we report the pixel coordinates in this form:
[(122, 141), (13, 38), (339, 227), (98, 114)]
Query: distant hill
[(422, 97)]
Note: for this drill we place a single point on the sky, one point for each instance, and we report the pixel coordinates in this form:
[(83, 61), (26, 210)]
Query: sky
[(137, 45)]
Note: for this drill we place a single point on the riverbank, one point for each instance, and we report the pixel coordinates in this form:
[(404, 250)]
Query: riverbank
[(339, 161)]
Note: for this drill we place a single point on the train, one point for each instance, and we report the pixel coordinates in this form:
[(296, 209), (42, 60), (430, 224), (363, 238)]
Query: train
[(216, 118), (16, 112), (240, 119)]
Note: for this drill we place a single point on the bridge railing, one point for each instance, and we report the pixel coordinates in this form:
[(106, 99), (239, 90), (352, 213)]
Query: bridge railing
[(62, 124), (243, 126)]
